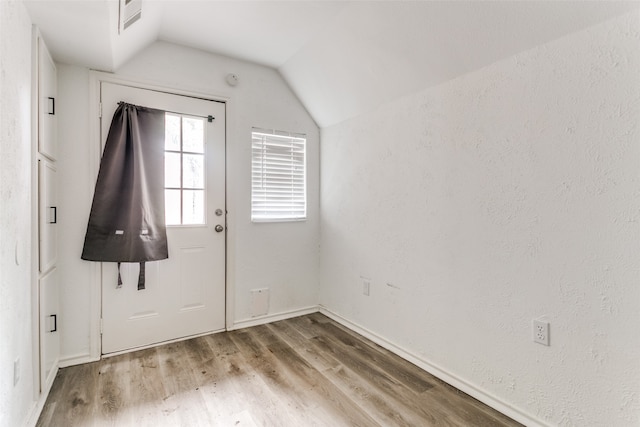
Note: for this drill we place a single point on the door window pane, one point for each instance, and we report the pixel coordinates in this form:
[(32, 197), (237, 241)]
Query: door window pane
[(193, 207), (172, 132), (193, 167), (172, 170), (193, 135), (172, 207), (184, 169)]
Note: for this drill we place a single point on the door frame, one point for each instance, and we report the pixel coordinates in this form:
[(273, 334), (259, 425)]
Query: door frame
[(96, 78)]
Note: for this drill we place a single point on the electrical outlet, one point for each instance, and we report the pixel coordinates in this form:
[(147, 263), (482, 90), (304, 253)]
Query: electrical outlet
[(541, 331), (366, 285), (16, 372)]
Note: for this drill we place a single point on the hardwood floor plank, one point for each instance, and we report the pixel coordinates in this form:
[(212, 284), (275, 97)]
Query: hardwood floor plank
[(349, 383), (304, 346), (386, 371), (83, 401), (113, 392), (303, 410), (377, 379), (209, 379), (240, 389), (334, 399), (306, 371), (148, 389), (400, 369)]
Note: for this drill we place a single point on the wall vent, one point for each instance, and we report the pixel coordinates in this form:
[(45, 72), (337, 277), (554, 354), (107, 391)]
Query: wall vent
[(259, 302), (130, 12)]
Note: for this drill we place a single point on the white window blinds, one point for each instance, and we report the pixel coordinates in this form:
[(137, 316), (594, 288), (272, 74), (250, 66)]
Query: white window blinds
[(278, 176)]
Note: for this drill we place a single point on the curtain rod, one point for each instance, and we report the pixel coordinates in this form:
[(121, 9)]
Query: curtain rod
[(209, 118)]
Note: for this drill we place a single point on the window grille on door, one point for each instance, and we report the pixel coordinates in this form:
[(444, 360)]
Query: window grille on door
[(184, 166)]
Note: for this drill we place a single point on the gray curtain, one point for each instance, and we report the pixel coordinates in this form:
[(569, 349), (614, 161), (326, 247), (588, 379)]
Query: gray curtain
[(127, 222)]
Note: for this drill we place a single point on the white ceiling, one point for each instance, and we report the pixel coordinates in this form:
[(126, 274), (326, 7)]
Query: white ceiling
[(341, 57)]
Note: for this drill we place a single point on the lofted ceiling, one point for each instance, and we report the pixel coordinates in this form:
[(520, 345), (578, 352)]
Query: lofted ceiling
[(340, 57)]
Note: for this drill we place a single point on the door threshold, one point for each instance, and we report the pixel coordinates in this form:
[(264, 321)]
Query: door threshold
[(144, 347)]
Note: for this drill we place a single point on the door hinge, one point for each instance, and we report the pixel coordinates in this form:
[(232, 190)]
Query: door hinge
[(100, 109), (101, 326)]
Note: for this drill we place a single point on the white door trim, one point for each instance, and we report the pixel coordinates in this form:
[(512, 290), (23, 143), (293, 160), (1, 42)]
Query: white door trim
[(95, 80)]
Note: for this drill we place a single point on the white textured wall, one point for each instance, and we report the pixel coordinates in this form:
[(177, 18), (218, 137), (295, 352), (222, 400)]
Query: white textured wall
[(373, 52), (75, 194), (506, 194), (15, 220), (283, 257)]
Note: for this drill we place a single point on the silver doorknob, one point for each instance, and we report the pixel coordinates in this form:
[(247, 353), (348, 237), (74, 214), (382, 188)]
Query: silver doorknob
[(219, 228)]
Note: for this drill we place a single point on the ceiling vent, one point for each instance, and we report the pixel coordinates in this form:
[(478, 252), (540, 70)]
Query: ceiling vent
[(130, 12)]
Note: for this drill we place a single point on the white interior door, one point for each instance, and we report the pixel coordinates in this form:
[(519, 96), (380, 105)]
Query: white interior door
[(47, 94), (49, 337), (185, 294), (48, 215)]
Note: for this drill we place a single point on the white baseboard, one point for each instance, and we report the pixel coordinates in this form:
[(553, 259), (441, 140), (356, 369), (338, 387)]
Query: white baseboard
[(36, 408), (34, 413), (255, 321), (439, 372), (158, 344)]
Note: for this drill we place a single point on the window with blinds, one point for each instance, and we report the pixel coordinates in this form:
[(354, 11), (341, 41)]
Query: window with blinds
[(278, 176)]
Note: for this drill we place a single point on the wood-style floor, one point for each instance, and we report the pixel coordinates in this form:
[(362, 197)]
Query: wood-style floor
[(306, 371)]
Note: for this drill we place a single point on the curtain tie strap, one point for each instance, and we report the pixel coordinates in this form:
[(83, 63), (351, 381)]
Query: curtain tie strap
[(119, 285), (141, 276)]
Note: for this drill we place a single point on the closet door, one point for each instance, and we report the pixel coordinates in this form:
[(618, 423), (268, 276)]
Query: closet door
[(47, 93), (48, 215), (49, 336), (46, 222)]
